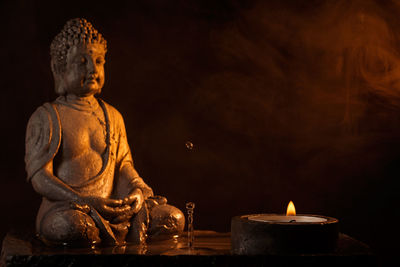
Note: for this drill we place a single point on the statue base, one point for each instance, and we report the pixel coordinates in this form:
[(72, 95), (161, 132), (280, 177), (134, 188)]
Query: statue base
[(211, 249)]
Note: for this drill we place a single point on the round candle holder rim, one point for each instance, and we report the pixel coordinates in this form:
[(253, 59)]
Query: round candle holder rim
[(329, 220)]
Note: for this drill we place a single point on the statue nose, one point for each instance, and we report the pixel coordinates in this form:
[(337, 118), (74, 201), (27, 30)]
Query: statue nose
[(93, 71), (92, 68)]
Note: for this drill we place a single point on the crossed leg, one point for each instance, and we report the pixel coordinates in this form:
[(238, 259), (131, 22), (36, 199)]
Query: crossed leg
[(69, 226), (76, 228), (156, 222)]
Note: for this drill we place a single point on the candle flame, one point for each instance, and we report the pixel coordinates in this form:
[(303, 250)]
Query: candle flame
[(291, 210)]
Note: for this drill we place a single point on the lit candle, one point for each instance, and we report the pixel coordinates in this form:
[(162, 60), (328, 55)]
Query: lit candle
[(278, 233), (290, 217)]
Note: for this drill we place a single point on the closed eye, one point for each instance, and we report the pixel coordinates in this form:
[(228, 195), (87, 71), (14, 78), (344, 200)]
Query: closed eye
[(100, 61)]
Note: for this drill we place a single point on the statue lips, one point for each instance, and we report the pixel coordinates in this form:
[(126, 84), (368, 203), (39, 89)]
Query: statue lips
[(92, 79)]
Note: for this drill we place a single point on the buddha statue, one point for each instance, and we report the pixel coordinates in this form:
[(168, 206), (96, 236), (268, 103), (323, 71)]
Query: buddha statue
[(78, 158)]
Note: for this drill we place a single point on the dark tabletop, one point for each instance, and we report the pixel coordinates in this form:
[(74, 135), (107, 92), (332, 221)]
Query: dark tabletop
[(211, 249)]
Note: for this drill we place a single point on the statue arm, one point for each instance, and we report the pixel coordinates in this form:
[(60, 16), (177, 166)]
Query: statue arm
[(51, 187), (128, 178), (134, 181), (41, 144)]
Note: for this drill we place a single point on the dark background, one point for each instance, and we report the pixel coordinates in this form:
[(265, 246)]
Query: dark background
[(283, 100)]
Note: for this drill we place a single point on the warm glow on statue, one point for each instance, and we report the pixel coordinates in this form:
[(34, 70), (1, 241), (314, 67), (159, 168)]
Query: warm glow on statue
[(78, 158)]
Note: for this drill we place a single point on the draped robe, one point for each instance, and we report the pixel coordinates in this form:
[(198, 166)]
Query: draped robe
[(43, 138)]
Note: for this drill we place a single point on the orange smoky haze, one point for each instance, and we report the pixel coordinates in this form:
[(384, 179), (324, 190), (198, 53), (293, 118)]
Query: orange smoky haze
[(319, 68), (314, 88)]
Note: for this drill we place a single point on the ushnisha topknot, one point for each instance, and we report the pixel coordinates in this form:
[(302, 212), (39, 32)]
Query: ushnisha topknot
[(76, 31)]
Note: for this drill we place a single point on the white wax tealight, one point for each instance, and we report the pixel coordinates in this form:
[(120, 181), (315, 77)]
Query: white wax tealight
[(272, 218)]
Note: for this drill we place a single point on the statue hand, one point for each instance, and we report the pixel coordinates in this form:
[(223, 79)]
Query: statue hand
[(109, 208), (135, 199)]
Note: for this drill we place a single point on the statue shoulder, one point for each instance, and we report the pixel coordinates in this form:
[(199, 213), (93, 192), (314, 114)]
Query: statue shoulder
[(39, 123), (44, 117), (42, 138), (114, 115)]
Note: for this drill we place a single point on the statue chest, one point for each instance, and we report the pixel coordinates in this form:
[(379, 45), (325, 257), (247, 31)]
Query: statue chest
[(83, 145), (82, 133)]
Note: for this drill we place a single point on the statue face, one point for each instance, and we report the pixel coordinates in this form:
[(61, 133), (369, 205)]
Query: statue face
[(84, 74)]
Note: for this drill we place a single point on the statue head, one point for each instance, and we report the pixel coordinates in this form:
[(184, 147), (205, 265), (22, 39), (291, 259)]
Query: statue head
[(77, 59)]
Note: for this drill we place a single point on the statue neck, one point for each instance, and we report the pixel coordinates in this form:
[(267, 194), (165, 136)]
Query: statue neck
[(83, 103)]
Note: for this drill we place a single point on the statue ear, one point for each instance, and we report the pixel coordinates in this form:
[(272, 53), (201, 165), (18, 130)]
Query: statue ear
[(57, 73), (54, 67)]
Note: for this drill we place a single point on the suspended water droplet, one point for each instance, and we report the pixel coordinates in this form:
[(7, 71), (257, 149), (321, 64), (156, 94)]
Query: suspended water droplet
[(189, 145)]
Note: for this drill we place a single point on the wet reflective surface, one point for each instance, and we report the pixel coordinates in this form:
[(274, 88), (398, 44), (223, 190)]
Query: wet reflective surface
[(206, 243), (210, 249)]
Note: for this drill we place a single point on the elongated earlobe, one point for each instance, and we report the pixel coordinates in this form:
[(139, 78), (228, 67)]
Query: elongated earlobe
[(58, 82)]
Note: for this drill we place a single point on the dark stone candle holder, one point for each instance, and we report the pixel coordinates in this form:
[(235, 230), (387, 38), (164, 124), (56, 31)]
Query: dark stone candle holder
[(252, 237)]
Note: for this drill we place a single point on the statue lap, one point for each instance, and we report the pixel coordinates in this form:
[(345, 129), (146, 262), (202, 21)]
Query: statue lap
[(159, 222)]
